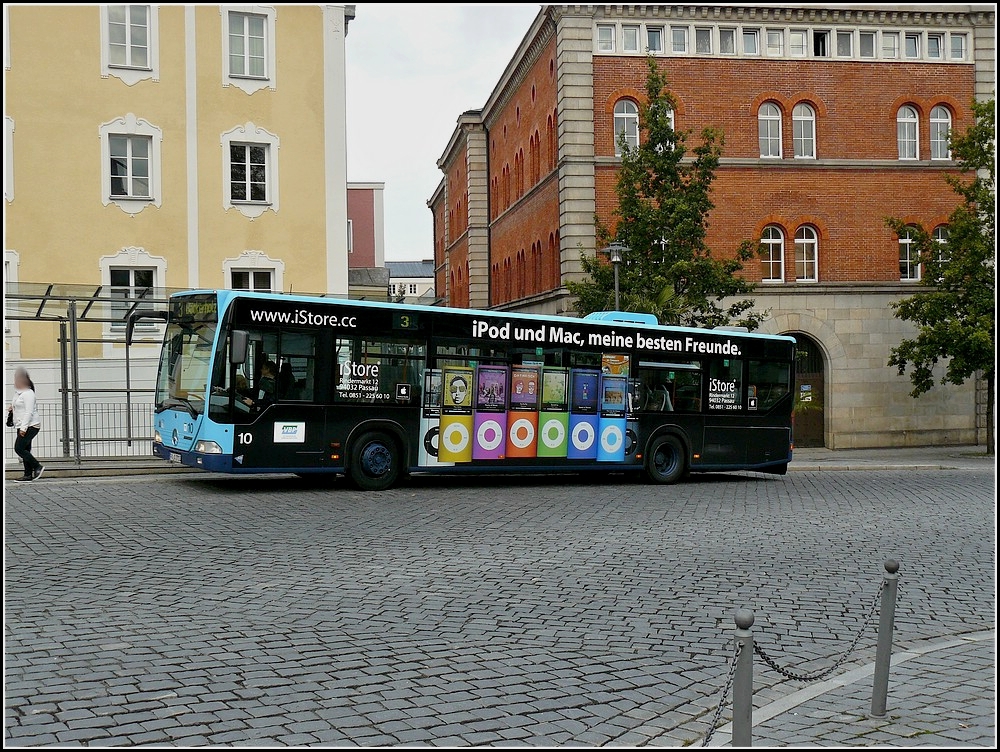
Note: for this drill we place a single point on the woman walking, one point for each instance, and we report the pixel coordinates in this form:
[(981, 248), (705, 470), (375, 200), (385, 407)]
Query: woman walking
[(23, 415)]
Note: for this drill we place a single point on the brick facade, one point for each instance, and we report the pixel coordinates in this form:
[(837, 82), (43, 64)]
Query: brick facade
[(543, 197)]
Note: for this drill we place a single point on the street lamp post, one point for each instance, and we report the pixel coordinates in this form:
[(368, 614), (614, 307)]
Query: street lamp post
[(615, 251)]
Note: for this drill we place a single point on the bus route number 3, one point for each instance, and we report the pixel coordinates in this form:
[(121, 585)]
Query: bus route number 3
[(245, 437)]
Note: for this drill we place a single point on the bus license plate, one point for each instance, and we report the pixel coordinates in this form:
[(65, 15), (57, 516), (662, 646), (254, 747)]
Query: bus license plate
[(174, 457)]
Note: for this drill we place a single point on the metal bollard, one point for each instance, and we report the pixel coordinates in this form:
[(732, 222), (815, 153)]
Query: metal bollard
[(883, 654), (743, 680)]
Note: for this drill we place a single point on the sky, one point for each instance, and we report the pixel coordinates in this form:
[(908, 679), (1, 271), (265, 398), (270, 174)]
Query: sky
[(411, 71)]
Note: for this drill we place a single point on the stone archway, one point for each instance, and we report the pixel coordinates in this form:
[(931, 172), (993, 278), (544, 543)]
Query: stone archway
[(821, 349), (810, 392)]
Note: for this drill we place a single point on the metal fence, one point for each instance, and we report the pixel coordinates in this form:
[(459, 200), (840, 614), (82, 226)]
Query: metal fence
[(103, 432)]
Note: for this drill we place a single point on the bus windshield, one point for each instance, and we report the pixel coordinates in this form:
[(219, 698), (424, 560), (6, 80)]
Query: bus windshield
[(185, 361)]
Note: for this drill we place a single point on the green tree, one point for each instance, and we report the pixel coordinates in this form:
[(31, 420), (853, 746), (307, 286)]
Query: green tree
[(663, 205), (955, 313)]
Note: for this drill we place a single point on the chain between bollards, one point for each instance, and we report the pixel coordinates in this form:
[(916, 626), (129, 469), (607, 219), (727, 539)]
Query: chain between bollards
[(886, 625), (740, 673)]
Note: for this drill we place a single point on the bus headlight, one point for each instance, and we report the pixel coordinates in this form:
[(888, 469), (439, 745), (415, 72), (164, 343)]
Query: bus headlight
[(157, 438), (208, 447)]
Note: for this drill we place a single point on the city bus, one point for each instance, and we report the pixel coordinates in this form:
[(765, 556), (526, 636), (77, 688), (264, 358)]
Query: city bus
[(272, 383)]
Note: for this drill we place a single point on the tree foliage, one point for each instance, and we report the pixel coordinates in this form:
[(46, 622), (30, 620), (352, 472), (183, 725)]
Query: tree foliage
[(955, 314), (662, 215)]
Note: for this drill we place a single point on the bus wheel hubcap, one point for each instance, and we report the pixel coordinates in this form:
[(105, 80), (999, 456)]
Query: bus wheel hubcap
[(665, 460), (376, 460)]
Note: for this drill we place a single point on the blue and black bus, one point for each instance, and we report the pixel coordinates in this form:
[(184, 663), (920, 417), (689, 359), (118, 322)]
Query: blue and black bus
[(271, 383)]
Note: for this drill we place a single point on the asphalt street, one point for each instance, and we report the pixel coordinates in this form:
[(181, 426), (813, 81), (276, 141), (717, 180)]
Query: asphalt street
[(197, 609)]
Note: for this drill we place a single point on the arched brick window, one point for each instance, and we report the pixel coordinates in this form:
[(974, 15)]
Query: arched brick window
[(769, 130), (627, 123)]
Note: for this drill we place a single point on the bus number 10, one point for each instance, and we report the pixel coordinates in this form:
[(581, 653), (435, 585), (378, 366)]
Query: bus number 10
[(245, 438)]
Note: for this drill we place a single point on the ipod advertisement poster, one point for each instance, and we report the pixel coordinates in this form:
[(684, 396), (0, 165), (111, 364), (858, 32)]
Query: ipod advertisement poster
[(491, 389), (492, 412), (524, 388)]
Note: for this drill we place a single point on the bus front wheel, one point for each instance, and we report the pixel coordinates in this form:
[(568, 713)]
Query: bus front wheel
[(665, 460), (374, 461)]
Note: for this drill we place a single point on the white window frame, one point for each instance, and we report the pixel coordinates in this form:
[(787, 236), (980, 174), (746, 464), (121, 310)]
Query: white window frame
[(919, 37), (807, 242), (638, 37), (254, 261), (256, 136), (627, 117), (799, 142), (659, 29), (941, 234), (829, 43), (686, 31), (942, 40), (130, 76), (350, 236), (11, 327), (134, 257), (252, 279), (768, 33), (936, 122), (130, 125), (598, 42), (749, 32), (737, 39), (772, 243), (851, 36), (131, 141), (705, 30), (805, 42), (8, 158), (412, 288), (951, 48), (902, 121), (911, 261), (761, 117), (874, 35), (250, 84), (884, 36)]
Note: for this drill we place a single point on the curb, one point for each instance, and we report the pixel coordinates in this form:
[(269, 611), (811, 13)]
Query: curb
[(848, 468)]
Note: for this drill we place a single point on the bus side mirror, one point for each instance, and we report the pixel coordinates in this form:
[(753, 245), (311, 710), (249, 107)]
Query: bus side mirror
[(135, 316), (239, 346)]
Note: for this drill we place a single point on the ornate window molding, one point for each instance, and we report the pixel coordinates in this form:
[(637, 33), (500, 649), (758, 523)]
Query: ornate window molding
[(254, 261), (130, 125), (133, 257), (131, 75), (250, 84), (253, 135)]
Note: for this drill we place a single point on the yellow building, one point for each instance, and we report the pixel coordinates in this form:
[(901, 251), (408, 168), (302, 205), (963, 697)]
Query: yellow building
[(149, 148), (199, 146)]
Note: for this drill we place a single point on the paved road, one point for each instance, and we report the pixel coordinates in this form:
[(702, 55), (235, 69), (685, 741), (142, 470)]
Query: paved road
[(192, 609)]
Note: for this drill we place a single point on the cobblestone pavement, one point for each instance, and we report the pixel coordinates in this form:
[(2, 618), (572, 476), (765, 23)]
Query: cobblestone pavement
[(194, 609)]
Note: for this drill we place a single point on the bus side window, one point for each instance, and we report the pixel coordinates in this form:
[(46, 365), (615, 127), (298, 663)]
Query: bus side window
[(297, 367), (667, 388), (771, 380)]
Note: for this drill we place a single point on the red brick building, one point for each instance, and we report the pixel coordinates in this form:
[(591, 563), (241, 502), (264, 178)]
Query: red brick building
[(365, 226), (833, 120)]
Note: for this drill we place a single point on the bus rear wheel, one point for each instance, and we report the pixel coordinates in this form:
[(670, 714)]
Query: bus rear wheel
[(374, 462), (665, 460)]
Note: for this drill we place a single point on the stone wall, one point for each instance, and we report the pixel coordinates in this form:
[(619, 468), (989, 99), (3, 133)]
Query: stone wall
[(867, 404)]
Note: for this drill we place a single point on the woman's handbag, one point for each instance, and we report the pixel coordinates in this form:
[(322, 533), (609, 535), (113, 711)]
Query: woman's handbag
[(10, 418)]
